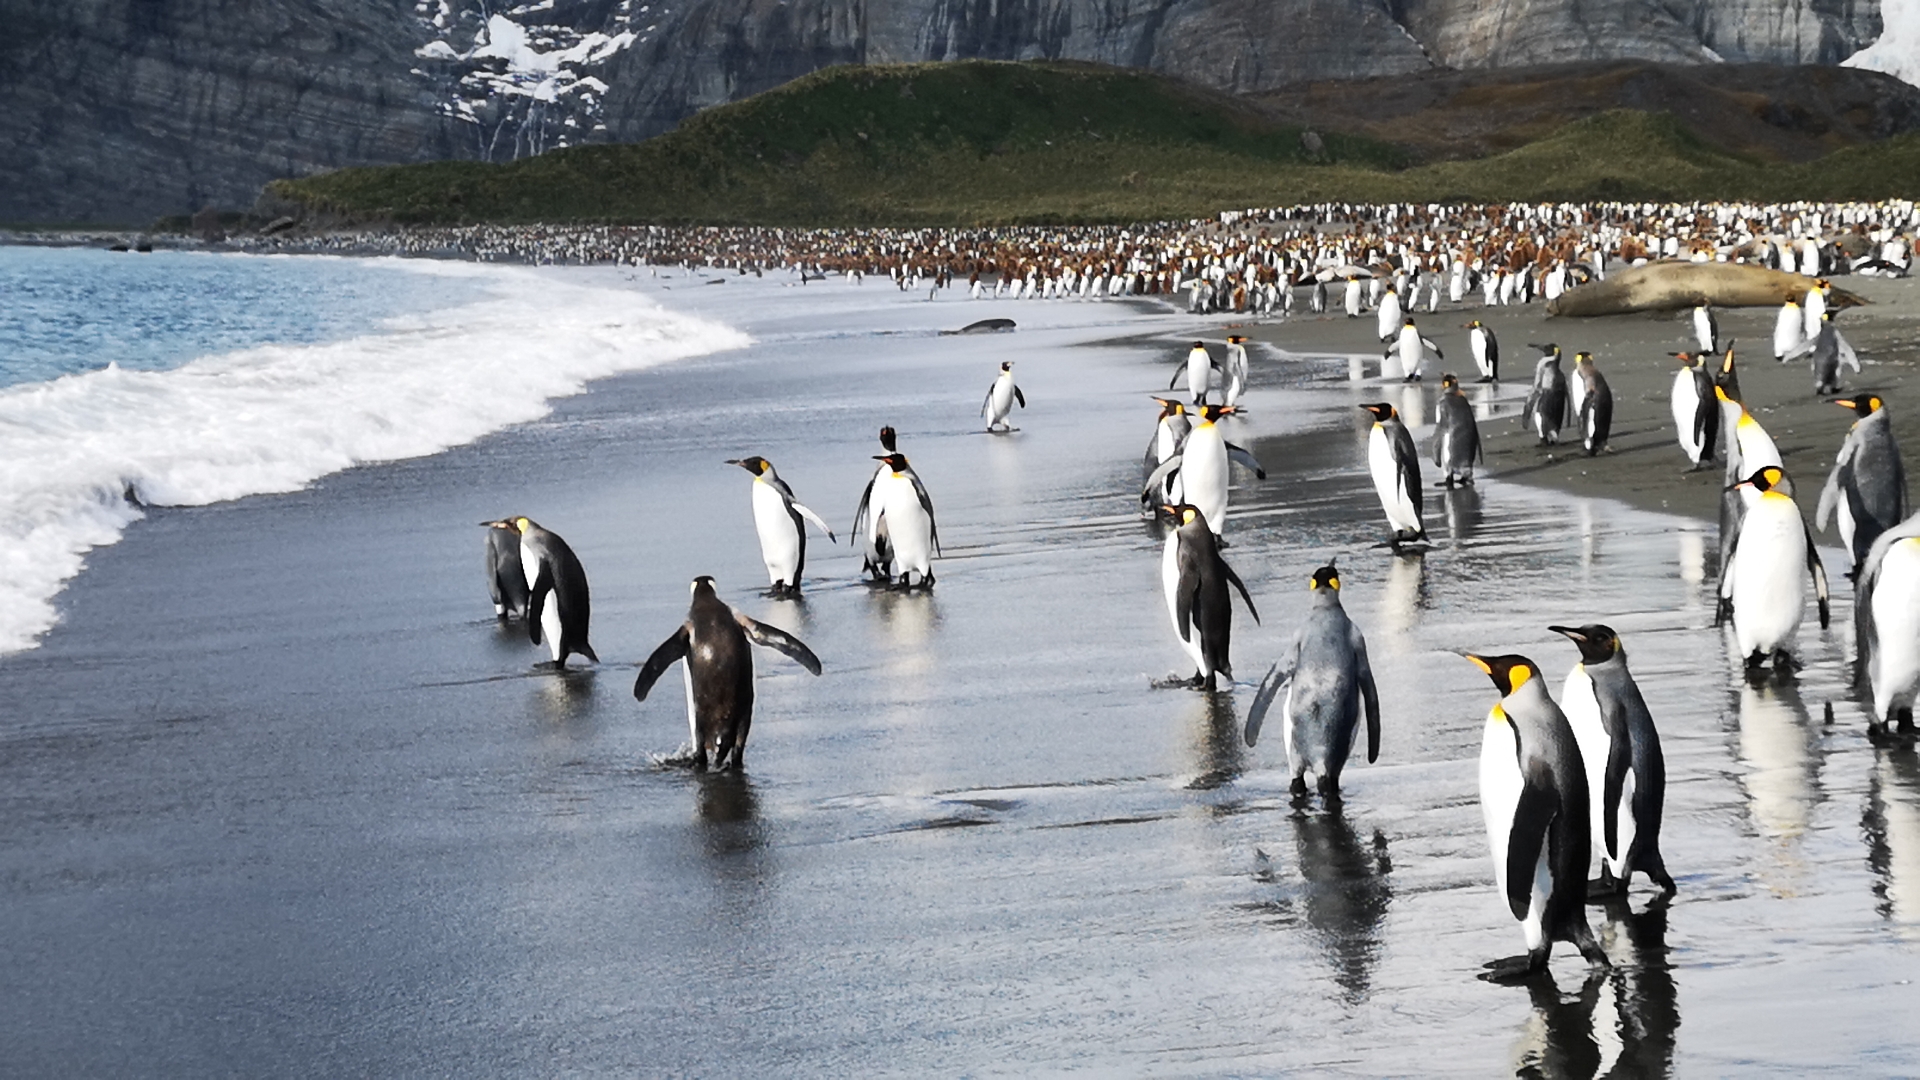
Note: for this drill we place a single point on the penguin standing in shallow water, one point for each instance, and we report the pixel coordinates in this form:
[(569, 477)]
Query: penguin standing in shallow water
[(1234, 374), (1198, 367), (1395, 465), (1456, 435), (1546, 408), (1169, 436), (1195, 579), (1411, 349), (1596, 404), (1486, 350), (1203, 466), (1868, 486), (777, 517), (1886, 619), (1762, 588), (558, 608), (1329, 685), (1626, 772), (1533, 795), (1000, 398), (719, 673), (506, 580), (903, 512), (1696, 410), (878, 551)]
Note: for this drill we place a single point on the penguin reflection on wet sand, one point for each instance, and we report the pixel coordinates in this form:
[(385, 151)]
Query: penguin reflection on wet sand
[(1533, 795), (1194, 578), (1456, 435), (506, 580), (558, 606), (1762, 588), (1395, 466), (1001, 397), (719, 673), (1886, 613), (1626, 772), (1329, 686), (778, 519), (1867, 489)]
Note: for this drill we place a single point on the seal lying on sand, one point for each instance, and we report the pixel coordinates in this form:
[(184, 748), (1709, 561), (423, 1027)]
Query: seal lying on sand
[(1674, 285)]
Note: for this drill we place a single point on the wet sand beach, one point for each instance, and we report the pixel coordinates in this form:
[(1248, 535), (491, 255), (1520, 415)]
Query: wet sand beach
[(282, 798)]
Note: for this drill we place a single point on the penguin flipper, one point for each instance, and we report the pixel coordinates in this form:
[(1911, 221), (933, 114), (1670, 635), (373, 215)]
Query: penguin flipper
[(986, 401), (1528, 836), (1159, 475), (1847, 355), (1177, 372), (860, 512), (1369, 696), (537, 599), (1830, 494), (815, 518), (778, 640), (1246, 458), (1270, 686), (1019, 397), (926, 503), (1819, 572), (1234, 579), (1613, 786), (671, 650)]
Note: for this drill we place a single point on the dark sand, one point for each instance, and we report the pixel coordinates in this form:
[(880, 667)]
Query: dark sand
[(280, 798), (1644, 465)]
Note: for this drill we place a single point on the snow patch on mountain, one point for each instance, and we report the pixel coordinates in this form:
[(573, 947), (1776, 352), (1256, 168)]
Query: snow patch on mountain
[(1897, 52)]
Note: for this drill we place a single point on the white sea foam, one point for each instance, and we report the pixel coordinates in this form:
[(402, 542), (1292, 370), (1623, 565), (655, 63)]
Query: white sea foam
[(272, 419)]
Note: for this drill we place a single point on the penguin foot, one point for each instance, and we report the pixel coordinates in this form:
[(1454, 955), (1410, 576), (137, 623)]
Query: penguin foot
[(1784, 665), (1298, 789), (1513, 969), (1604, 888)]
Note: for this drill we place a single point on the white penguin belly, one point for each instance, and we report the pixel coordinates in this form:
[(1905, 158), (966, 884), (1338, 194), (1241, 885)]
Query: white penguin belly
[(1199, 372), (1500, 787), (1001, 403), (1685, 404), (1203, 472), (779, 539), (1578, 701), (1895, 669), (1386, 482), (550, 624), (908, 527), (1769, 575)]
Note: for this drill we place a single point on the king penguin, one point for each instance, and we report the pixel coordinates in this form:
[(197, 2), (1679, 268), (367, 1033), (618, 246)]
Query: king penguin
[(1533, 795), (1389, 314), (1867, 488), (1762, 588), (1169, 436), (777, 517), (1788, 330), (1546, 408), (1696, 410), (1195, 578), (1329, 686), (877, 555), (1486, 350), (1596, 404), (1000, 398), (903, 512), (1353, 297), (1886, 614), (1198, 367), (1456, 435), (1203, 466), (1395, 466), (558, 608), (719, 673), (1826, 350), (1706, 330), (506, 581), (1411, 349), (1235, 370), (1626, 773)]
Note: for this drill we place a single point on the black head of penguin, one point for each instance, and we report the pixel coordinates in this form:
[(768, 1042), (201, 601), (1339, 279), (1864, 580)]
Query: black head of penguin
[(511, 525), (1509, 672), (1180, 514), (1687, 360), (1771, 478), (1598, 643), (1211, 413), (895, 461), (1381, 410), (755, 465), (1864, 405), (1327, 577), (1006, 365), (886, 439), (1449, 383), (1727, 380), (1170, 408)]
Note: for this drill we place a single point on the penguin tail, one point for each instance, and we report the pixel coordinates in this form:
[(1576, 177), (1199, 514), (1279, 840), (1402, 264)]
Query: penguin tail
[(586, 650)]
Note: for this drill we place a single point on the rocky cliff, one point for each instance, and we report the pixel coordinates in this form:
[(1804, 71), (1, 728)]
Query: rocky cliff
[(121, 110)]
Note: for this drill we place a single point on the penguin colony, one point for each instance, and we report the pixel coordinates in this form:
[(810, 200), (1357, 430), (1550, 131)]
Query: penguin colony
[(1564, 785)]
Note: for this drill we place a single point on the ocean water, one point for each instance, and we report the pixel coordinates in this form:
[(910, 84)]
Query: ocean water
[(178, 379)]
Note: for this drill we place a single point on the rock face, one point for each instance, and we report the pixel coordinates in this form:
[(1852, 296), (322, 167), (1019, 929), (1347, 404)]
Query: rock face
[(123, 110)]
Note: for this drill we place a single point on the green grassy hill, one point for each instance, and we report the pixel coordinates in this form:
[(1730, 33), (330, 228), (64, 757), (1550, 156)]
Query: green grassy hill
[(988, 142)]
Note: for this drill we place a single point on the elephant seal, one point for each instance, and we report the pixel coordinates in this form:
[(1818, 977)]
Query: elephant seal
[(1675, 285)]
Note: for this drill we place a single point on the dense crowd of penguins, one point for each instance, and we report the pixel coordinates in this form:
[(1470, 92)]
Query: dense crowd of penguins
[(1563, 784)]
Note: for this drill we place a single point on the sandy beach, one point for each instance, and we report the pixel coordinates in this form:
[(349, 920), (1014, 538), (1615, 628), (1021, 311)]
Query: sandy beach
[(282, 798)]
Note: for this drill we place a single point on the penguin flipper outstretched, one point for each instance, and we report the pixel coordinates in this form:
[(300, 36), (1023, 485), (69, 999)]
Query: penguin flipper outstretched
[(1177, 373), (1819, 572), (1159, 475), (1234, 579), (778, 640), (815, 518), (1271, 684), (537, 600), (860, 512), (1528, 837), (1019, 397), (671, 650), (1246, 458)]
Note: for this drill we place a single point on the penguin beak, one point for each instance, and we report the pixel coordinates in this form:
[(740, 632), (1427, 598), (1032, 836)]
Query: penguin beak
[(1485, 668), (1568, 632), (1843, 403)]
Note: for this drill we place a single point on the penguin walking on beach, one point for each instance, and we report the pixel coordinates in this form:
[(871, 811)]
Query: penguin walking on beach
[(1886, 615), (558, 606), (1317, 299), (1001, 397), (1195, 577), (1706, 330), (1762, 588), (1825, 351), (1389, 314), (1204, 465), (1456, 435), (780, 521), (1329, 686), (506, 580), (1596, 404), (902, 512), (1411, 349), (1867, 489), (1486, 350), (1395, 466), (1546, 408), (877, 554), (1789, 329), (1533, 797), (719, 673), (1626, 772), (1169, 436), (1198, 368), (1813, 311), (1696, 409), (1353, 297), (1235, 370)]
